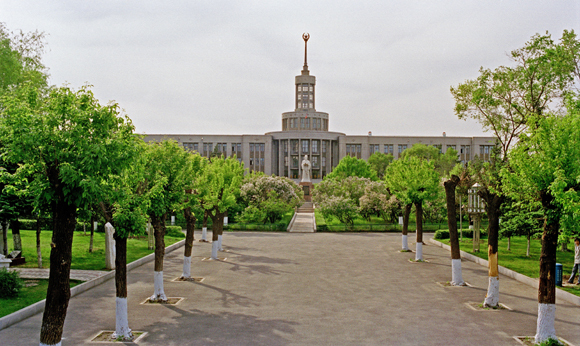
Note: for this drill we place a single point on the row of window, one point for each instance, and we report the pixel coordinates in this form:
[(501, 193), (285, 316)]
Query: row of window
[(314, 161), (208, 149), (316, 124)]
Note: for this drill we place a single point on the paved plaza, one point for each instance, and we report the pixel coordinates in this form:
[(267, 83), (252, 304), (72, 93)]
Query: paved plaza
[(309, 289)]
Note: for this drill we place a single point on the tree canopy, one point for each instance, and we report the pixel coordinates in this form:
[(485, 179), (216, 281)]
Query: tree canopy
[(352, 167)]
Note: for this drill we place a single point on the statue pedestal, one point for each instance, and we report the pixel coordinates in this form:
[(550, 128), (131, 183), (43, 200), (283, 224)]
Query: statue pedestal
[(307, 188)]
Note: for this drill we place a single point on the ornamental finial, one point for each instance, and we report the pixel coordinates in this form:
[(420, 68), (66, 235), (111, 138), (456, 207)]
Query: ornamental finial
[(305, 37)]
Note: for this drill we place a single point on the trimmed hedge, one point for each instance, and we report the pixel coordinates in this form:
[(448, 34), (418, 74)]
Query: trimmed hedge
[(467, 233)]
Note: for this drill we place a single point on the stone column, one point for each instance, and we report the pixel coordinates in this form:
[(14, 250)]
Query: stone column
[(109, 246)]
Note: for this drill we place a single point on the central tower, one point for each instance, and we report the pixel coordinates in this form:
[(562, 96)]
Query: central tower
[(305, 117)]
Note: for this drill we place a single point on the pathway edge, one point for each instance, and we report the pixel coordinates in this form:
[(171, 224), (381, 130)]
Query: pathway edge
[(37, 307), (560, 294)]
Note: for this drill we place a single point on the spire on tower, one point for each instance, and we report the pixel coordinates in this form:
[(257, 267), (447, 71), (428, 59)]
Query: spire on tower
[(305, 36)]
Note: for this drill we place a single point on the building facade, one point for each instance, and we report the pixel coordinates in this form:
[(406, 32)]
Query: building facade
[(305, 132)]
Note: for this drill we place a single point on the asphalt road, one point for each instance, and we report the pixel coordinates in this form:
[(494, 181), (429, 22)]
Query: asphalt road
[(309, 289)]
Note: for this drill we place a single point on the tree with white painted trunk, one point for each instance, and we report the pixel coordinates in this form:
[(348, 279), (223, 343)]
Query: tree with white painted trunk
[(48, 132), (506, 101), (217, 189), (166, 177), (413, 180), (456, 274), (544, 169), (195, 167), (123, 208)]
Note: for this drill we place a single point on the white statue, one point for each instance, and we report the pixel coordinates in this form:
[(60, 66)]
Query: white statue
[(305, 170)]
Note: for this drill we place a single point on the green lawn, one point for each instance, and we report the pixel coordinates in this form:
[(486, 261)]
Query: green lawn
[(81, 258), (516, 258), (28, 296)]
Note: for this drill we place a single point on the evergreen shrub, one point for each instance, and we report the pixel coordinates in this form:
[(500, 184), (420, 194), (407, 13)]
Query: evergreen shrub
[(10, 283)]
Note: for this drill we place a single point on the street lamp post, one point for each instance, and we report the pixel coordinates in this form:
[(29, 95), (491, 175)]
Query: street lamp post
[(475, 208)]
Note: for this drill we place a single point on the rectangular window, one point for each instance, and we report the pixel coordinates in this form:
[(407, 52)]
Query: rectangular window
[(323, 159), (190, 146), (315, 147), (465, 153), (439, 146), (207, 149), (307, 121), (401, 148), (485, 151), (294, 146), (374, 148), (301, 123), (294, 161), (388, 149), (305, 146), (315, 162)]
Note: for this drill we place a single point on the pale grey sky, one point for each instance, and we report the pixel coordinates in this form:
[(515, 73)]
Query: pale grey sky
[(228, 67)]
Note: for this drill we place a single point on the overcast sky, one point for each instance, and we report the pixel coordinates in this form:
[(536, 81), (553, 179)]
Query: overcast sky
[(228, 67)]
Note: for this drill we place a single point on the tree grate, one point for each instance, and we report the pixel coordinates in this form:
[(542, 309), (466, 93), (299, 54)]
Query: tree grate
[(182, 279), (106, 337), (169, 301)]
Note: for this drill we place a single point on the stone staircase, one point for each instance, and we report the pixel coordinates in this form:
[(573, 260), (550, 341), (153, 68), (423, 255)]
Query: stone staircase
[(304, 220), (307, 207)]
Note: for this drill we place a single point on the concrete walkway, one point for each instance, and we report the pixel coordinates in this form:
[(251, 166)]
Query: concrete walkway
[(75, 274), (309, 289), (304, 219)]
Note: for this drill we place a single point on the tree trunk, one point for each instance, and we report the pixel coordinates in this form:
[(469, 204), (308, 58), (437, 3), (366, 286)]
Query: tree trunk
[(564, 247), (58, 291), (492, 207), (122, 329), (528, 247), (217, 220), (419, 223), (159, 232), (204, 227), (38, 252), (190, 219), (456, 273), (17, 240), (92, 233), (509, 247), (5, 238), (547, 286), (406, 213)]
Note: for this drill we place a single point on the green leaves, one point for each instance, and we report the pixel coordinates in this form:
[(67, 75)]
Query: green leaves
[(352, 167), (66, 140), (412, 179)]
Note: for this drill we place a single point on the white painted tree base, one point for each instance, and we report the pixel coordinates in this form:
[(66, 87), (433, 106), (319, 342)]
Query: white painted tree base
[(492, 298), (122, 329), (220, 243), (546, 317), (186, 267), (204, 234), (405, 243), (419, 252), (158, 286), (456, 276), (214, 250), (59, 344)]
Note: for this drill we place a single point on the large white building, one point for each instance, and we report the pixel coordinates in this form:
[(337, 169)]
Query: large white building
[(305, 132)]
